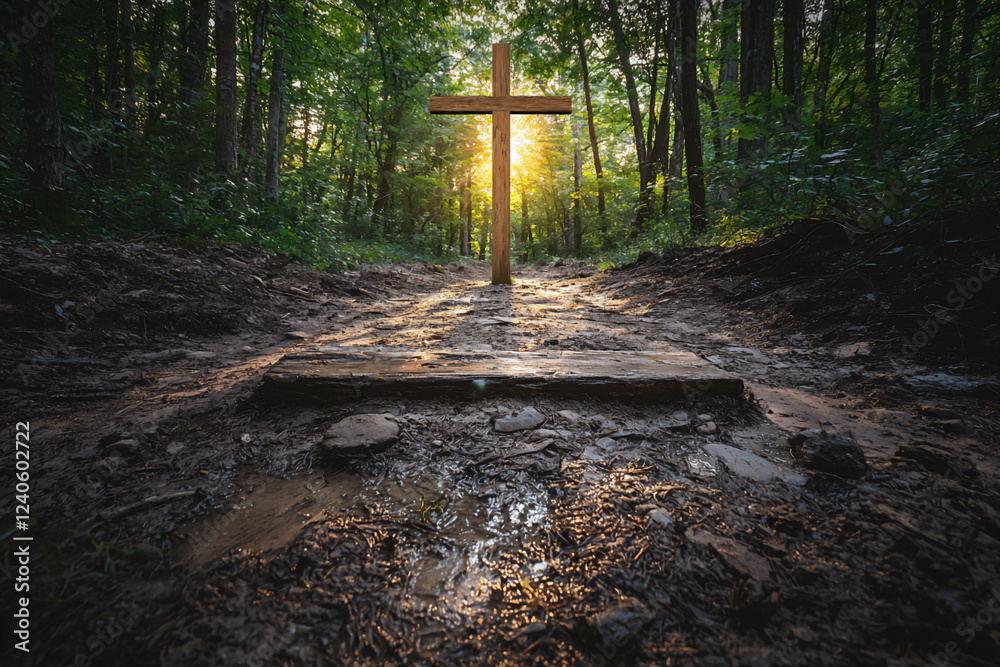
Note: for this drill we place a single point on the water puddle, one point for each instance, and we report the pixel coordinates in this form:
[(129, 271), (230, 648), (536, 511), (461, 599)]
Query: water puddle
[(454, 524)]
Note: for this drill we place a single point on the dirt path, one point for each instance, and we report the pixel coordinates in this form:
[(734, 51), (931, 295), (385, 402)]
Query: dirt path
[(204, 525)]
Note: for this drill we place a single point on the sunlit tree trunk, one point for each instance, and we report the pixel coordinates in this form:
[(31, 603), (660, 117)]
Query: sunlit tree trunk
[(690, 114), (225, 86), (577, 186)]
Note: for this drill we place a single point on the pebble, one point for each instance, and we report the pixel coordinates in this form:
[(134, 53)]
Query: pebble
[(569, 415), (521, 421), (543, 433), (661, 516), (708, 428), (704, 418)]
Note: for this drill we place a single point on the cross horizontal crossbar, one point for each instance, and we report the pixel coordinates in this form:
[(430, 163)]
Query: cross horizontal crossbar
[(517, 104)]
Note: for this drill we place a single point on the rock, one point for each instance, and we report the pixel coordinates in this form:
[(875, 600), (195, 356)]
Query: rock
[(619, 630), (661, 516), (236, 264), (83, 455), (543, 433), (145, 553), (704, 418), (680, 417), (569, 415), (124, 447), (523, 420), (935, 459), (247, 349), (734, 554), (358, 434), (708, 428), (751, 466), (836, 454), (297, 335), (111, 469)]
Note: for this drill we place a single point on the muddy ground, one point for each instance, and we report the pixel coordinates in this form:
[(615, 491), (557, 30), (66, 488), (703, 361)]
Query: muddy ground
[(178, 520)]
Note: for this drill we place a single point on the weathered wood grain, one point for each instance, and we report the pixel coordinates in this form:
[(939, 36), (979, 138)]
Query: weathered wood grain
[(515, 104), (331, 375)]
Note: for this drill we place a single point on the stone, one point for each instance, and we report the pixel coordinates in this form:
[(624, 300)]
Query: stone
[(358, 434), (708, 428), (604, 443), (661, 516), (146, 553), (569, 415), (543, 433), (704, 418), (751, 466), (124, 447), (521, 421), (297, 335), (831, 453), (620, 629)]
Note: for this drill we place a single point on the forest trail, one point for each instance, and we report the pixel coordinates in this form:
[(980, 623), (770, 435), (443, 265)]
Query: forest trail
[(681, 531)]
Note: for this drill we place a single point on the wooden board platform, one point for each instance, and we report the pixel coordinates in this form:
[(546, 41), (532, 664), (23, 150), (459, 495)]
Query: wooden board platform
[(337, 374)]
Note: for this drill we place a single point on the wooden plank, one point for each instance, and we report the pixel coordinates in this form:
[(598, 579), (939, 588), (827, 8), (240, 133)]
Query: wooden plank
[(501, 70), (501, 198), (515, 104), (331, 374)]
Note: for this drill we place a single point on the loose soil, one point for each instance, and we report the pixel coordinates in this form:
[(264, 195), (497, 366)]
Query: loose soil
[(179, 520)]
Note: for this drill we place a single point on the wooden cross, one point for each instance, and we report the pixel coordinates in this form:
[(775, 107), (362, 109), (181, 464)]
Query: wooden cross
[(501, 104)]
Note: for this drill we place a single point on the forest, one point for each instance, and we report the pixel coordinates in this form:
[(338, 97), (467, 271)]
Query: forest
[(303, 127), (733, 398)]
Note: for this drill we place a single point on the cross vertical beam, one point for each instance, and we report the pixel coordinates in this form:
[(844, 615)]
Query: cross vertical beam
[(501, 168), (501, 104)]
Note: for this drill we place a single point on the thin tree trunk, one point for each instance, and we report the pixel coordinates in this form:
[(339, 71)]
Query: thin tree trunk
[(225, 86), (577, 186), (624, 59), (677, 144), (690, 115), (128, 58), (42, 121), (942, 79), (250, 123), (794, 21), (275, 104), (195, 58), (970, 24), (925, 55), (466, 241), (824, 53), (871, 79), (112, 34), (598, 170), (729, 68)]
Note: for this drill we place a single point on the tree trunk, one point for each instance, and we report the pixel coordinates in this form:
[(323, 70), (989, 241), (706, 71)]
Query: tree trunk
[(128, 58), (942, 81), (195, 58), (275, 103), (729, 68), (871, 79), (466, 240), (677, 144), (924, 52), (250, 123), (756, 54), (824, 55), (225, 86), (690, 115), (970, 25), (625, 61), (380, 207), (112, 35), (794, 22), (525, 224), (42, 122), (577, 186)]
